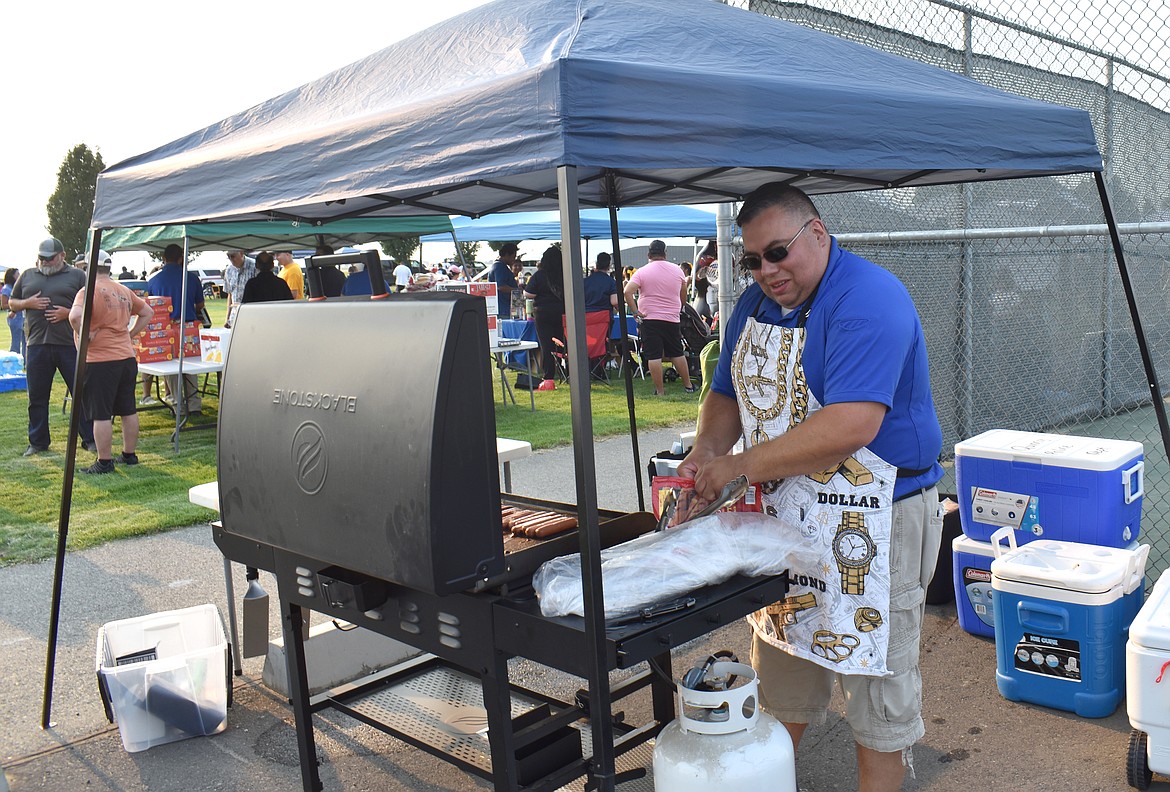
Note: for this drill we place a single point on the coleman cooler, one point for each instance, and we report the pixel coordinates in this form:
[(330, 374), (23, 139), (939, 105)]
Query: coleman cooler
[(973, 593), (1062, 616), (1062, 487)]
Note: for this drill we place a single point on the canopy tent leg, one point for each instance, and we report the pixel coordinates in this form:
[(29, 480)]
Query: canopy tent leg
[(1143, 346), (600, 700), (181, 397), (67, 482), (623, 341)]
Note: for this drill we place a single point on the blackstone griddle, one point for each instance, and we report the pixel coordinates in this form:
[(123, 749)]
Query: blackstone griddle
[(357, 464)]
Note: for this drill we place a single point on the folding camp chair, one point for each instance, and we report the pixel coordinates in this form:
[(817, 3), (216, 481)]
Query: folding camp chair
[(561, 359), (597, 325), (636, 358)]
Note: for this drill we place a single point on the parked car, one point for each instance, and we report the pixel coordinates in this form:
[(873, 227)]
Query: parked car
[(525, 272), (211, 278)]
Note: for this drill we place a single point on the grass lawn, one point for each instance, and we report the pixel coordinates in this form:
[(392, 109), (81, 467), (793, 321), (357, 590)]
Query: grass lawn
[(152, 496)]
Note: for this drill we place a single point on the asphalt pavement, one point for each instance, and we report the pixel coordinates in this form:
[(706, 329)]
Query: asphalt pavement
[(975, 738)]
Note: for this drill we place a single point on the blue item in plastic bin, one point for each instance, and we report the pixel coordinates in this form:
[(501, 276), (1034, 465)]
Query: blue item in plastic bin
[(12, 372), (1062, 617), (11, 363)]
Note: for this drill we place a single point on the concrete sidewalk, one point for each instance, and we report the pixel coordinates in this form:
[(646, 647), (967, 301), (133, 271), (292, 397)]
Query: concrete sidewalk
[(974, 738)]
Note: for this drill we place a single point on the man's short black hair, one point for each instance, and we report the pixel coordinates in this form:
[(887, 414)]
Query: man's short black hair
[(603, 261), (509, 249), (265, 261), (791, 200), (172, 253)]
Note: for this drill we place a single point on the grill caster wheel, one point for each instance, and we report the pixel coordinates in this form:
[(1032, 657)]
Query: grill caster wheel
[(1137, 768)]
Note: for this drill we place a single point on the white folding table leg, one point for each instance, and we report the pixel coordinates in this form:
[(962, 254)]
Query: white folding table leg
[(231, 600)]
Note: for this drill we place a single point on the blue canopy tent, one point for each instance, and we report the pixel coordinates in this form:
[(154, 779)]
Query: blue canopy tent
[(441, 123), (547, 104), (634, 222)]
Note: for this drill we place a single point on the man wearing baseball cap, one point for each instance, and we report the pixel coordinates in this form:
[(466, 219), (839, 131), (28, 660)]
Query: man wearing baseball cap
[(45, 293)]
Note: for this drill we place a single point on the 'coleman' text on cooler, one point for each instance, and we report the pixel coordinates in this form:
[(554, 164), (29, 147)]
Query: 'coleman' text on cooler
[(314, 401)]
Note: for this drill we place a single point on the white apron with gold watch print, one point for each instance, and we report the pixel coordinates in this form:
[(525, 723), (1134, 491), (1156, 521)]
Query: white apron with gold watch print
[(836, 611)]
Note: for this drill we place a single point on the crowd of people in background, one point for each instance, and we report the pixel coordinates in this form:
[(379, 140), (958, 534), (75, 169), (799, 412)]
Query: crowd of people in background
[(658, 295), (43, 305)]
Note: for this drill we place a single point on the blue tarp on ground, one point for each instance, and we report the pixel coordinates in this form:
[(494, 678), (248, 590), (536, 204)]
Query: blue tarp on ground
[(655, 102), (634, 222)]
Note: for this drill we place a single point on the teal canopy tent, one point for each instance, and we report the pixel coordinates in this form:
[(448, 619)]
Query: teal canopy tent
[(272, 234)]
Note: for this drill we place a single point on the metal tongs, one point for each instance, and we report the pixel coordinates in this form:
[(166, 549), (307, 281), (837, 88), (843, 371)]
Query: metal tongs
[(669, 505), (731, 492)]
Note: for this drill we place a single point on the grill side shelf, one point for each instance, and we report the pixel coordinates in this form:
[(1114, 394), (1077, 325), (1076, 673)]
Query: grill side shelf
[(521, 629)]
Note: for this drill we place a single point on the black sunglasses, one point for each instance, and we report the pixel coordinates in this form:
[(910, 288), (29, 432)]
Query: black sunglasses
[(773, 254)]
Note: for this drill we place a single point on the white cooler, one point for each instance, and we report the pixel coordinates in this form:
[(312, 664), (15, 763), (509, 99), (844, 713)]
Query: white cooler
[(1147, 684)]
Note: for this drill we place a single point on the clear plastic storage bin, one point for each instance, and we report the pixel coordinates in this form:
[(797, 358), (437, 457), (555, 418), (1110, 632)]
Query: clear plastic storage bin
[(166, 676)]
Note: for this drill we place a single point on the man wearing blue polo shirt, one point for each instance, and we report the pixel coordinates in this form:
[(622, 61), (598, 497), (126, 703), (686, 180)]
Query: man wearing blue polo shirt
[(823, 379), (168, 282), (505, 281)]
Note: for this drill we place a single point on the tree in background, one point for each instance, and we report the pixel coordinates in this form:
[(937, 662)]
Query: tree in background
[(495, 246), (70, 207), (467, 250), (400, 248)]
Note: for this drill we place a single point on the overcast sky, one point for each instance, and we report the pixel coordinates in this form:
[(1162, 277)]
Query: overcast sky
[(126, 76)]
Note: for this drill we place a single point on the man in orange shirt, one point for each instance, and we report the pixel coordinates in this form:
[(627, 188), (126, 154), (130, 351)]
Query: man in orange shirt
[(111, 372)]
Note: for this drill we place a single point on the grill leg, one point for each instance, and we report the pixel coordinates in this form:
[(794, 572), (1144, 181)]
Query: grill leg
[(298, 686), (660, 693), (497, 700)]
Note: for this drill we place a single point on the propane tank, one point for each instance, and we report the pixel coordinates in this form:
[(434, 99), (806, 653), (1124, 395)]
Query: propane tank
[(721, 742)]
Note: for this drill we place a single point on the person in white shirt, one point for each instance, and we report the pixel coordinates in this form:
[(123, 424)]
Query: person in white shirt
[(403, 277)]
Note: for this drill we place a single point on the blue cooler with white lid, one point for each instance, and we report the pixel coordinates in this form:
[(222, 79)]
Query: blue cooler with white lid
[(971, 572), (1062, 617), (1062, 487), (973, 594)]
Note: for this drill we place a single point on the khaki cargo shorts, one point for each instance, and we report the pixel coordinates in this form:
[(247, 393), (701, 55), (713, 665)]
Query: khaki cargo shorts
[(885, 713)]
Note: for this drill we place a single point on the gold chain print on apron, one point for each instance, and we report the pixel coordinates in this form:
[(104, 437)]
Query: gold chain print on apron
[(835, 523), (760, 380)]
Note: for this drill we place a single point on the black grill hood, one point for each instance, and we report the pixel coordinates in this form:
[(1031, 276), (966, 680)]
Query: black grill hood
[(362, 433)]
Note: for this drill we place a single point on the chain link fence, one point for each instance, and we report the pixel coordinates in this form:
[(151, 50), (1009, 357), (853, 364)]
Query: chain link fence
[(1016, 283)]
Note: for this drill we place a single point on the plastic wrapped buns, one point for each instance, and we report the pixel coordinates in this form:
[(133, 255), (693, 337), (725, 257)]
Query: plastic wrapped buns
[(660, 566)]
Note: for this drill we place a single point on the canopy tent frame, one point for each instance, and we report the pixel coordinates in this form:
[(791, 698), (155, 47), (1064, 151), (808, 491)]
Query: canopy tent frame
[(1053, 141)]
